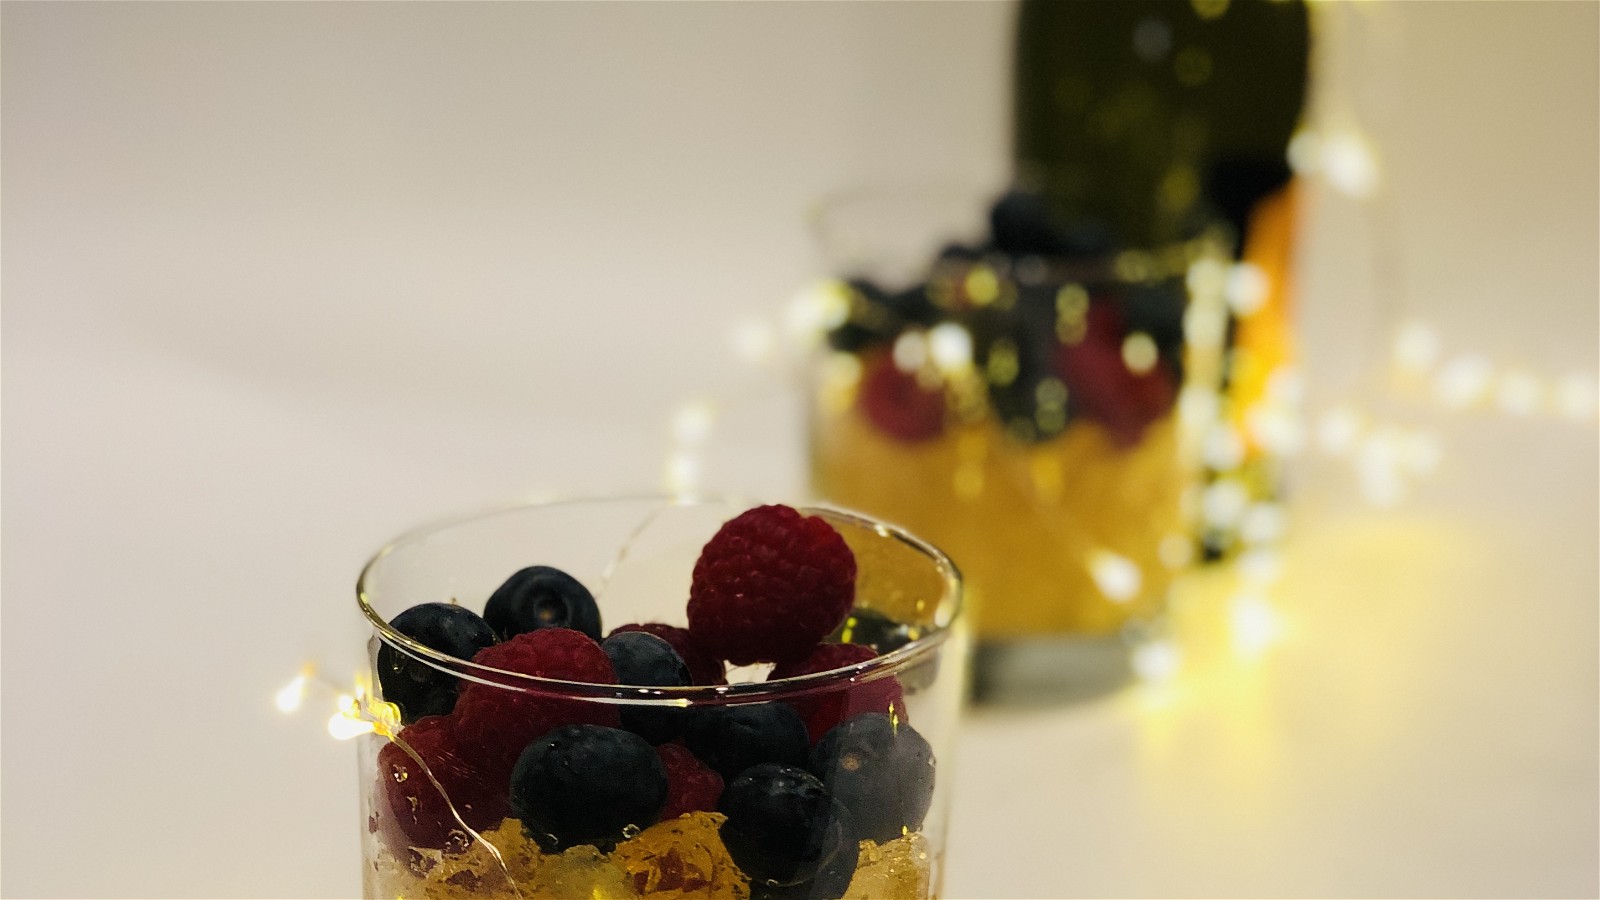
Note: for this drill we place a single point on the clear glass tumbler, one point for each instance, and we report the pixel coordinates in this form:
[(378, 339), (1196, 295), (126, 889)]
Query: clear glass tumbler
[(1026, 411), (437, 805)]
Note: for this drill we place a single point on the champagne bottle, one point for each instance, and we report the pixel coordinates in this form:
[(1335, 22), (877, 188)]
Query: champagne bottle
[(1153, 118)]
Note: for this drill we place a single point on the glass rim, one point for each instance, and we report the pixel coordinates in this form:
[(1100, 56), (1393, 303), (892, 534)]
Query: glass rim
[(951, 607), (1120, 263)]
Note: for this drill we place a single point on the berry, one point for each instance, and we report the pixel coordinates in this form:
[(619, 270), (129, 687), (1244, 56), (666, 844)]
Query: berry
[(828, 708), (417, 688), (542, 597), (769, 584), (731, 739), (830, 883), (782, 827), (898, 403), (417, 814), (1103, 388), (496, 722), (648, 661), (875, 630), (703, 667), (587, 784), (691, 785), (881, 770)]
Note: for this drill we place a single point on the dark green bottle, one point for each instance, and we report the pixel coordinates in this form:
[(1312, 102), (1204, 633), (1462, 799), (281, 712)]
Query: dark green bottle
[(1150, 119)]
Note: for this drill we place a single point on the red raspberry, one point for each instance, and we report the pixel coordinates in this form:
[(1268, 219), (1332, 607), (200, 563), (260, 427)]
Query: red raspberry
[(496, 723), (415, 813), (770, 584), (703, 667), (898, 403), (1102, 387), (825, 709), (691, 784)]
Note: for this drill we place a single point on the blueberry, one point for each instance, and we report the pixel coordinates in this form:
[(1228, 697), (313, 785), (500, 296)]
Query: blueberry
[(417, 688), (831, 882), (880, 770), (731, 739), (783, 830), (587, 784), (542, 597), (875, 630), (648, 661), (1025, 223)]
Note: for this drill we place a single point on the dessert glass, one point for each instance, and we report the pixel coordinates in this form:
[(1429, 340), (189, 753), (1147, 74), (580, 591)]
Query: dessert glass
[(636, 556), (1022, 411)]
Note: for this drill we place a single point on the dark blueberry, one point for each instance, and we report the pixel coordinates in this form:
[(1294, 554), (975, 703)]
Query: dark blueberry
[(731, 739), (831, 881), (1024, 223), (587, 784), (417, 688), (542, 597), (648, 661), (874, 629), (783, 829), (913, 306), (881, 770)]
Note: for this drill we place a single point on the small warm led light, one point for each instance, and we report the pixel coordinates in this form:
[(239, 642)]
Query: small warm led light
[(1224, 448), (951, 347), (1156, 662), (691, 424), (343, 726), (982, 286), (1197, 406), (1416, 347), (1262, 523), (753, 342), (683, 473), (1224, 502), (1378, 470), (1575, 397), (1139, 352), (1277, 429), (1349, 164), (1204, 327), (1117, 576), (1207, 277), (818, 308), (292, 695), (910, 351), (1247, 288), (1305, 152), (1254, 625), (1259, 566), (1338, 429), (1463, 381)]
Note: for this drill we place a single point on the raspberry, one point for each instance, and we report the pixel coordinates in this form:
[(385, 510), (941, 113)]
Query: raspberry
[(769, 584), (898, 403), (496, 723), (1102, 387), (417, 815), (691, 785), (703, 667), (826, 709)]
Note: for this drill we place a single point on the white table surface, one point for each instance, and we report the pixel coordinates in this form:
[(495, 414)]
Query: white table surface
[(282, 281)]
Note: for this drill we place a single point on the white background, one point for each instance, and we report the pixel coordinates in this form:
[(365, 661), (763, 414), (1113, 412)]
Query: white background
[(283, 280)]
